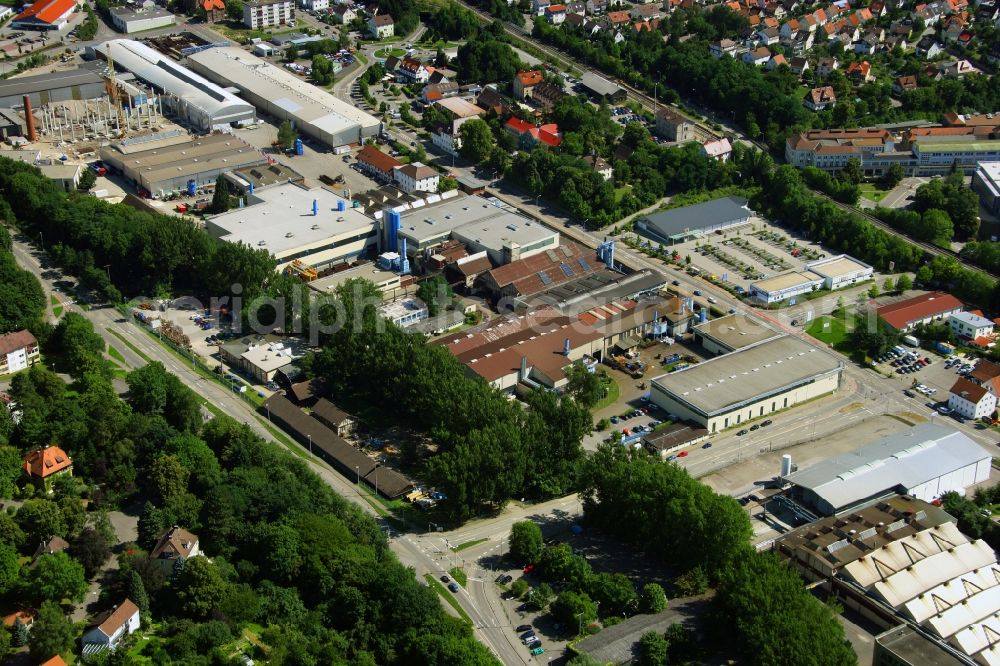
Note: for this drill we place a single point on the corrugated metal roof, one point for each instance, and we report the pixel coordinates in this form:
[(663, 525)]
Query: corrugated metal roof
[(906, 459), (152, 66)]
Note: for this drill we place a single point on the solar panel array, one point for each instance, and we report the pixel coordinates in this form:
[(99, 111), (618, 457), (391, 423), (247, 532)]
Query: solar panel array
[(583, 263), (567, 271), (544, 277)]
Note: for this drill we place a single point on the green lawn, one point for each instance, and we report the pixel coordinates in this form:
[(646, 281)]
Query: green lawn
[(611, 397), (872, 192), (468, 544), (459, 576), (620, 192), (448, 596), (829, 330), (386, 52), (116, 355)]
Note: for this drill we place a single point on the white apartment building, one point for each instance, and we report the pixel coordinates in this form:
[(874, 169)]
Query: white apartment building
[(267, 13)]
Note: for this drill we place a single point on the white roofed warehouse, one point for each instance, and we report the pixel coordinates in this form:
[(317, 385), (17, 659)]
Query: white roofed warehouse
[(187, 95), (278, 93), (729, 390), (925, 461)]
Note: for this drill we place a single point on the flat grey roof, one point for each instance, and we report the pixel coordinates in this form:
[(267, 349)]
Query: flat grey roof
[(473, 218), (714, 213), (916, 648), (788, 280), (598, 84), (836, 266), (908, 458), (129, 14), (737, 331), (273, 213), (725, 382), (24, 85), (370, 272)]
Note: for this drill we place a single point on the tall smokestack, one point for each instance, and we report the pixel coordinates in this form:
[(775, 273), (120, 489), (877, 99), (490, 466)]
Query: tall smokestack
[(29, 119)]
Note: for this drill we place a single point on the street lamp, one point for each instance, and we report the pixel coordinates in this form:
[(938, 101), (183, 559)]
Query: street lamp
[(310, 444), (358, 470)]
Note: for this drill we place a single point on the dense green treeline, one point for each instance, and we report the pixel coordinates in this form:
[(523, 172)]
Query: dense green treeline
[(286, 552)]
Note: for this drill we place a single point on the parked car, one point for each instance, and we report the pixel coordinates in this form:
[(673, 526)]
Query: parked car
[(523, 627), (537, 650), (706, 445), (742, 432), (445, 579), (766, 423), (528, 568), (453, 586), (755, 426)]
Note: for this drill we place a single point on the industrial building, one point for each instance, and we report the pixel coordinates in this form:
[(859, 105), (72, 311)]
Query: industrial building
[(44, 15), (785, 286), (390, 283), (531, 349), (925, 461), (195, 163), (187, 95), (904, 315), (261, 359), (840, 271), (538, 273), (315, 113), (677, 225), (405, 312), (145, 17), (292, 222), (80, 83), (749, 383), (732, 333), (600, 87), (902, 561), (986, 182), (479, 224)]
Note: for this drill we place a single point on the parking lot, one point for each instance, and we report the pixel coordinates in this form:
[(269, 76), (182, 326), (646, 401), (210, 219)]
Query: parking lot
[(752, 252), (927, 386)]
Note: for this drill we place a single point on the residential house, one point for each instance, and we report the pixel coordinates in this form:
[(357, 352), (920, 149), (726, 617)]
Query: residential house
[(758, 56), (904, 315), (904, 84), (800, 44), (986, 374), (672, 126), (23, 616), (411, 70), (433, 92), (267, 13), (377, 164), (799, 65), (722, 47), (45, 464), (458, 111), (546, 94), (988, 12), (645, 26), (768, 36), (956, 69), (790, 28), (971, 400), (343, 14), (597, 7), (970, 326), (334, 417), (617, 19), (575, 8), (775, 62), (953, 26), (417, 177), (18, 350), (531, 135), (646, 12), (575, 20), (867, 45), (54, 661), (820, 99), (555, 14), (525, 81), (928, 48), (600, 166), (965, 39), (50, 546), (314, 5), (539, 6), (174, 544), (490, 99), (215, 10), (896, 41), (826, 66), (720, 149), (860, 72), (381, 26), (109, 628)]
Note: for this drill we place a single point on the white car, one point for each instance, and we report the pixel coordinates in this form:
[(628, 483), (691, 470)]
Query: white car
[(711, 299)]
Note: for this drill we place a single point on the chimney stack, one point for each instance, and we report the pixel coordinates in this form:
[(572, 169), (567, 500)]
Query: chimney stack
[(29, 119)]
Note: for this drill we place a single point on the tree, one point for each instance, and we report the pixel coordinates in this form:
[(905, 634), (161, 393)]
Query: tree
[(653, 599), (136, 590), (873, 291), (286, 135), (87, 180), (652, 649), (234, 10), (168, 479), (435, 292), (322, 71), (79, 342), (201, 587), (904, 283), (56, 576), (10, 568), (574, 609), (220, 198), (476, 140), (584, 386), (888, 286), (20, 636), (52, 633), (525, 541), (614, 592), (10, 469), (519, 588), (91, 549), (691, 583), (40, 520), (853, 173), (893, 176)]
